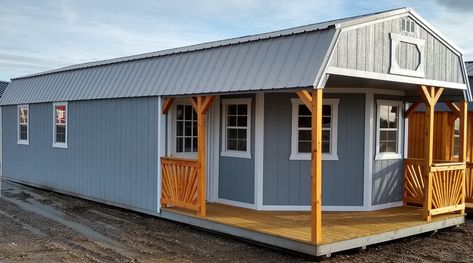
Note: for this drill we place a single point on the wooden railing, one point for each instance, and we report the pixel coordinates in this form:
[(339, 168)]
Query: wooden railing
[(180, 183), (413, 181), (448, 181), (469, 182)]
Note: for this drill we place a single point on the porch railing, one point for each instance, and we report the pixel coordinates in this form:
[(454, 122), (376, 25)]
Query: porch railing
[(469, 182), (179, 183), (448, 182)]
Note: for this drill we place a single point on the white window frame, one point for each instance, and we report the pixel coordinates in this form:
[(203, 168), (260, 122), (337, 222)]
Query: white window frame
[(60, 144), (456, 136), (400, 129), (20, 141), (173, 133), (295, 154), (229, 153)]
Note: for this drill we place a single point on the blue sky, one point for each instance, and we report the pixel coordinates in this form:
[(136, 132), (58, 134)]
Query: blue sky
[(41, 35)]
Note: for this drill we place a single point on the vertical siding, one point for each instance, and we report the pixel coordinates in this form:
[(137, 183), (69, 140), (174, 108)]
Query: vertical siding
[(287, 182), (112, 151), (387, 175), (236, 180), (369, 49)]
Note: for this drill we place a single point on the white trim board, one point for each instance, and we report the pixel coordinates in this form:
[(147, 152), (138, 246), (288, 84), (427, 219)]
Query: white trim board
[(368, 154), (259, 150), (394, 78), (329, 208)]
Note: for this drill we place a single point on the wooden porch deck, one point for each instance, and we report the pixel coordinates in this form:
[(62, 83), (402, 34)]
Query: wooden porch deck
[(336, 226)]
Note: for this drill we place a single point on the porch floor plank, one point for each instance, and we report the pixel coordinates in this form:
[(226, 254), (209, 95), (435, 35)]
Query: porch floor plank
[(336, 226)]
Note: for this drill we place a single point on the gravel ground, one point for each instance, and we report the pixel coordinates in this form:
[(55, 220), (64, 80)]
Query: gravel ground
[(41, 226)]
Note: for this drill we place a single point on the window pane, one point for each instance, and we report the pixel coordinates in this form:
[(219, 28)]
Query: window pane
[(393, 117), (242, 145), (326, 122), (194, 144), (383, 135), (232, 121), (194, 128), (188, 112), (305, 122), (391, 147), (60, 133), (325, 147), (232, 109), (242, 109), (232, 134), (231, 144), (180, 112), (383, 116), (23, 115), (179, 145), (242, 134), (180, 128), (242, 121), (305, 135), (382, 147), (326, 110), (188, 128), (304, 147), (23, 132), (187, 145), (303, 110), (326, 136), (392, 135), (60, 114)]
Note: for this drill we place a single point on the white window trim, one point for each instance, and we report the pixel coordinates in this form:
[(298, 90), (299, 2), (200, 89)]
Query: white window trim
[(19, 141), (172, 125), (389, 156), (60, 144), (295, 155), (229, 153)]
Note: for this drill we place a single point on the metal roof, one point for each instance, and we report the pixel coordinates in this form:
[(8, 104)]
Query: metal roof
[(469, 68), (3, 86), (290, 58)]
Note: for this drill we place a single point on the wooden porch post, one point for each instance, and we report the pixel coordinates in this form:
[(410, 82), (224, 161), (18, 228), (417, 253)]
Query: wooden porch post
[(430, 96), (462, 156), (316, 193), (314, 103), (201, 105)]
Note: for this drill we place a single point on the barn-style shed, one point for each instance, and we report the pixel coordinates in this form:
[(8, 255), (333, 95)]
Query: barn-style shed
[(294, 138)]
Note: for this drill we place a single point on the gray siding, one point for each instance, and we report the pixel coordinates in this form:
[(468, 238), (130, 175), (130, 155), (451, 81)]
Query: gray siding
[(387, 178), (112, 152), (368, 48), (288, 182), (387, 181), (237, 175)]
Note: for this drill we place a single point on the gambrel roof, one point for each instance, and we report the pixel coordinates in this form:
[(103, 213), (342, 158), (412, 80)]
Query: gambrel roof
[(286, 59)]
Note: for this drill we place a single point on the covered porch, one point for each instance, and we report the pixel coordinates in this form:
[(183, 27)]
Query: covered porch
[(292, 230)]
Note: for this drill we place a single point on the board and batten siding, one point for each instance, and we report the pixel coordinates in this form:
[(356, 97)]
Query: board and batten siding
[(111, 154), (287, 182), (388, 175), (237, 175), (368, 48)]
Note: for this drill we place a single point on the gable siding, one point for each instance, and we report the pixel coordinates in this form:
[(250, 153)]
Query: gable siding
[(368, 49), (111, 154), (287, 182)]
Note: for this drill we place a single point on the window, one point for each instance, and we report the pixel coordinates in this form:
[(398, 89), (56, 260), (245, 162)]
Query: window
[(236, 128), (186, 129), (23, 124), (60, 125), (456, 138), (407, 26), (388, 138), (301, 141)]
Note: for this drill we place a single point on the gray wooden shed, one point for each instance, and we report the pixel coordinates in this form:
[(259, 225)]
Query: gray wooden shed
[(128, 131)]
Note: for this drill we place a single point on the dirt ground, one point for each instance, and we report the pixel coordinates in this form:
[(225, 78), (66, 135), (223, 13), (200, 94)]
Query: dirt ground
[(41, 226)]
